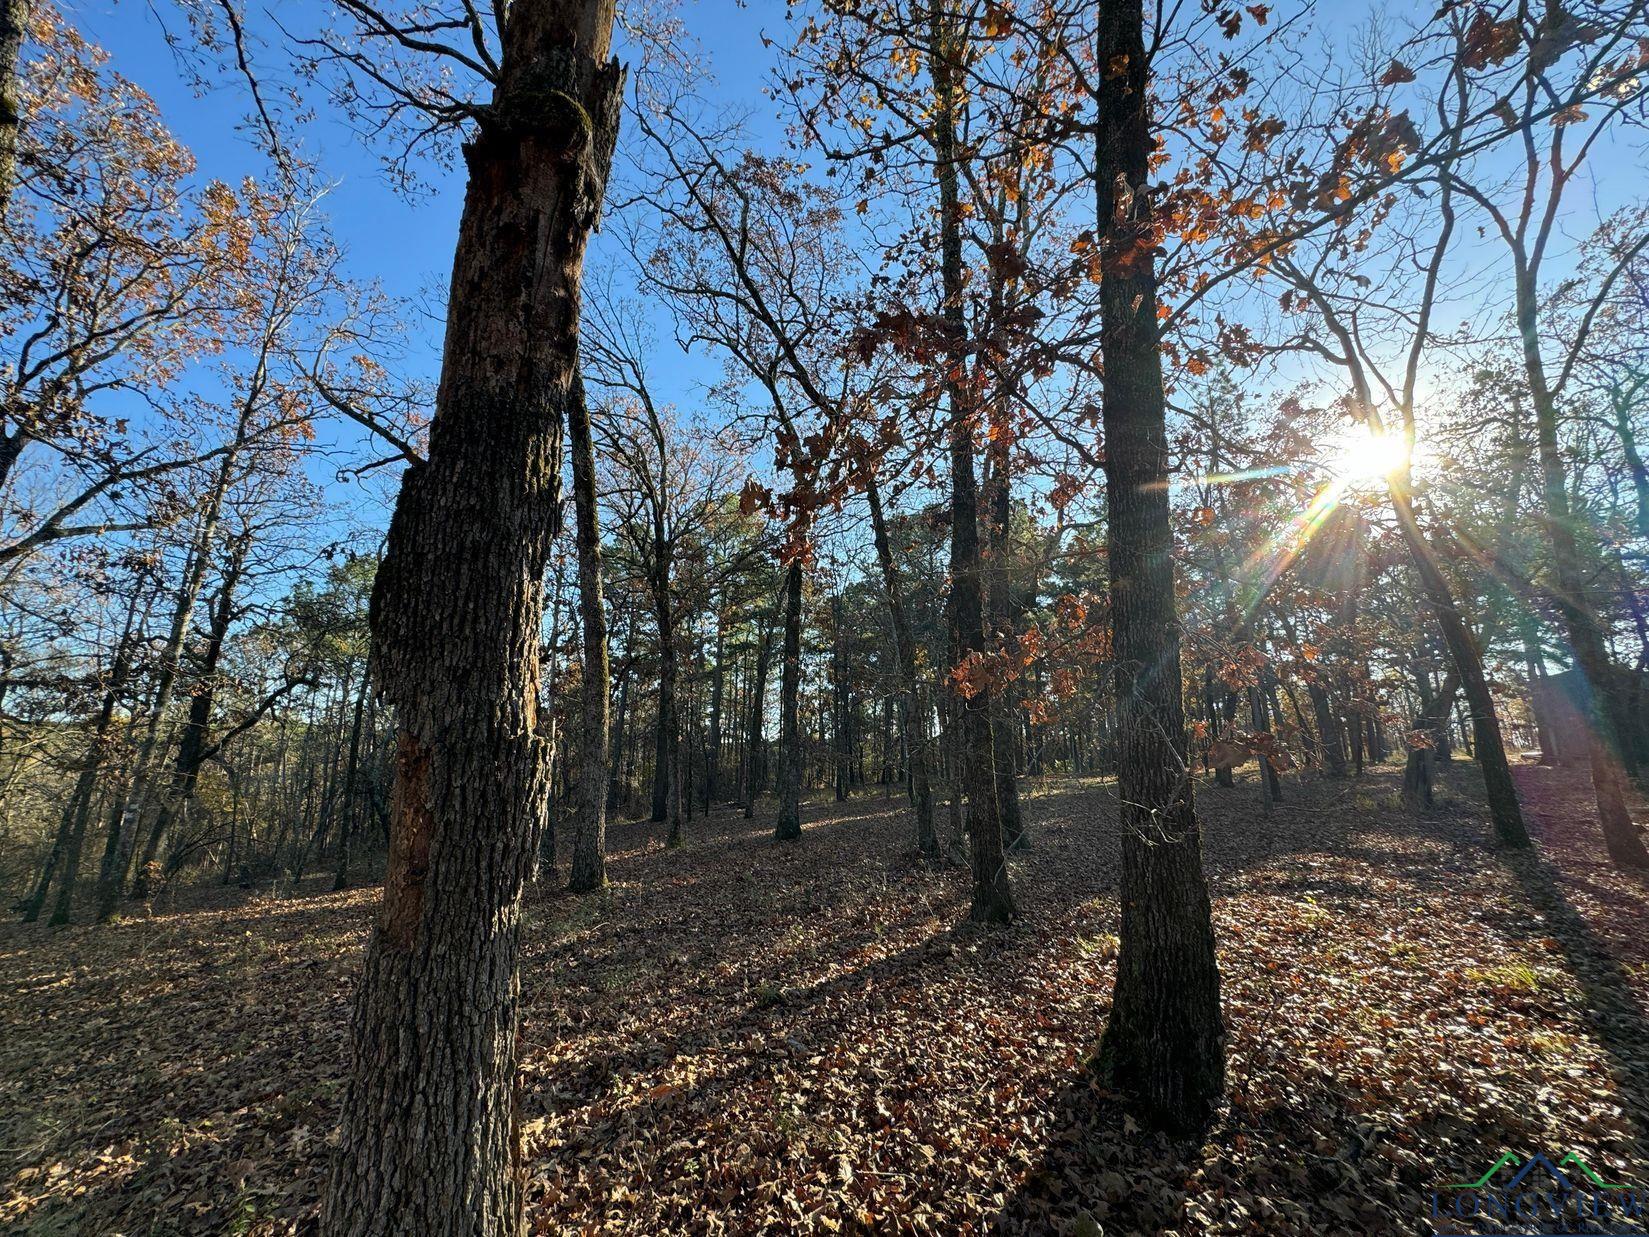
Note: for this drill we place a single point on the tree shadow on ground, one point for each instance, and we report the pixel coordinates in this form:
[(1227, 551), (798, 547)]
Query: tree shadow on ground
[(1612, 1010)]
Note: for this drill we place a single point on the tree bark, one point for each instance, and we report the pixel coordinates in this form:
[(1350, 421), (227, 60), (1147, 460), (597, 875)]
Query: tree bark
[(664, 737), (430, 1138), (589, 866), (992, 897), (1165, 1042), (14, 28)]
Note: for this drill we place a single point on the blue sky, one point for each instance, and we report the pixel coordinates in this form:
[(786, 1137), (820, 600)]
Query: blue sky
[(403, 242)]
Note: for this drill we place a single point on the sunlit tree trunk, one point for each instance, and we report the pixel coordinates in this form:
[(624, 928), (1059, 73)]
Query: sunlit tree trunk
[(430, 1139), (14, 28), (1164, 1045)]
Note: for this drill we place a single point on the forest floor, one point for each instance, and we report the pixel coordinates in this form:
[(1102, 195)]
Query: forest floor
[(742, 1036)]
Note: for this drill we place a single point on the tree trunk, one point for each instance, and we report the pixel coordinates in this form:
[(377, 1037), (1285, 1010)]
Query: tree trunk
[(1331, 740), (36, 901), (617, 782), (910, 721), (1004, 724), (1420, 767), (841, 702), (191, 752), (430, 1137), (664, 731), (992, 898), (1467, 660), (1634, 461), (788, 826), (14, 28), (346, 829), (1620, 835), (589, 866), (713, 743), (1165, 1042)]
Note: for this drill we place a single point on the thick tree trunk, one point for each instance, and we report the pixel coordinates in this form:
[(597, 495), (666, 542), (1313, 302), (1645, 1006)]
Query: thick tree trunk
[(589, 866), (992, 898), (430, 1139), (1165, 1042), (14, 28), (788, 826), (910, 720)]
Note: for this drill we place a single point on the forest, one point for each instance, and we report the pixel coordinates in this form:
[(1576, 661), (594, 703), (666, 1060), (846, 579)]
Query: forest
[(848, 616)]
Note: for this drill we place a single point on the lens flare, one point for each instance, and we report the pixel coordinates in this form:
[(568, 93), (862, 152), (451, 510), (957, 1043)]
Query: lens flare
[(1365, 458)]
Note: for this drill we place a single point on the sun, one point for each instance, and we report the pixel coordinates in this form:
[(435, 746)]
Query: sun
[(1364, 458)]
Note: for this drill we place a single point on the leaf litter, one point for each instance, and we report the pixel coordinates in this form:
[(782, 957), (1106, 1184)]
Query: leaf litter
[(745, 1036)]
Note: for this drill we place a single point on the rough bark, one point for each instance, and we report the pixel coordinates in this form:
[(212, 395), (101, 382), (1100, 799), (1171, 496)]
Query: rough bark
[(589, 866), (992, 898), (14, 28), (430, 1139), (1164, 1045), (788, 826)]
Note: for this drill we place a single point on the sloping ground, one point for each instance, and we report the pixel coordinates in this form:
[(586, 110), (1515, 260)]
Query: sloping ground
[(742, 1037)]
